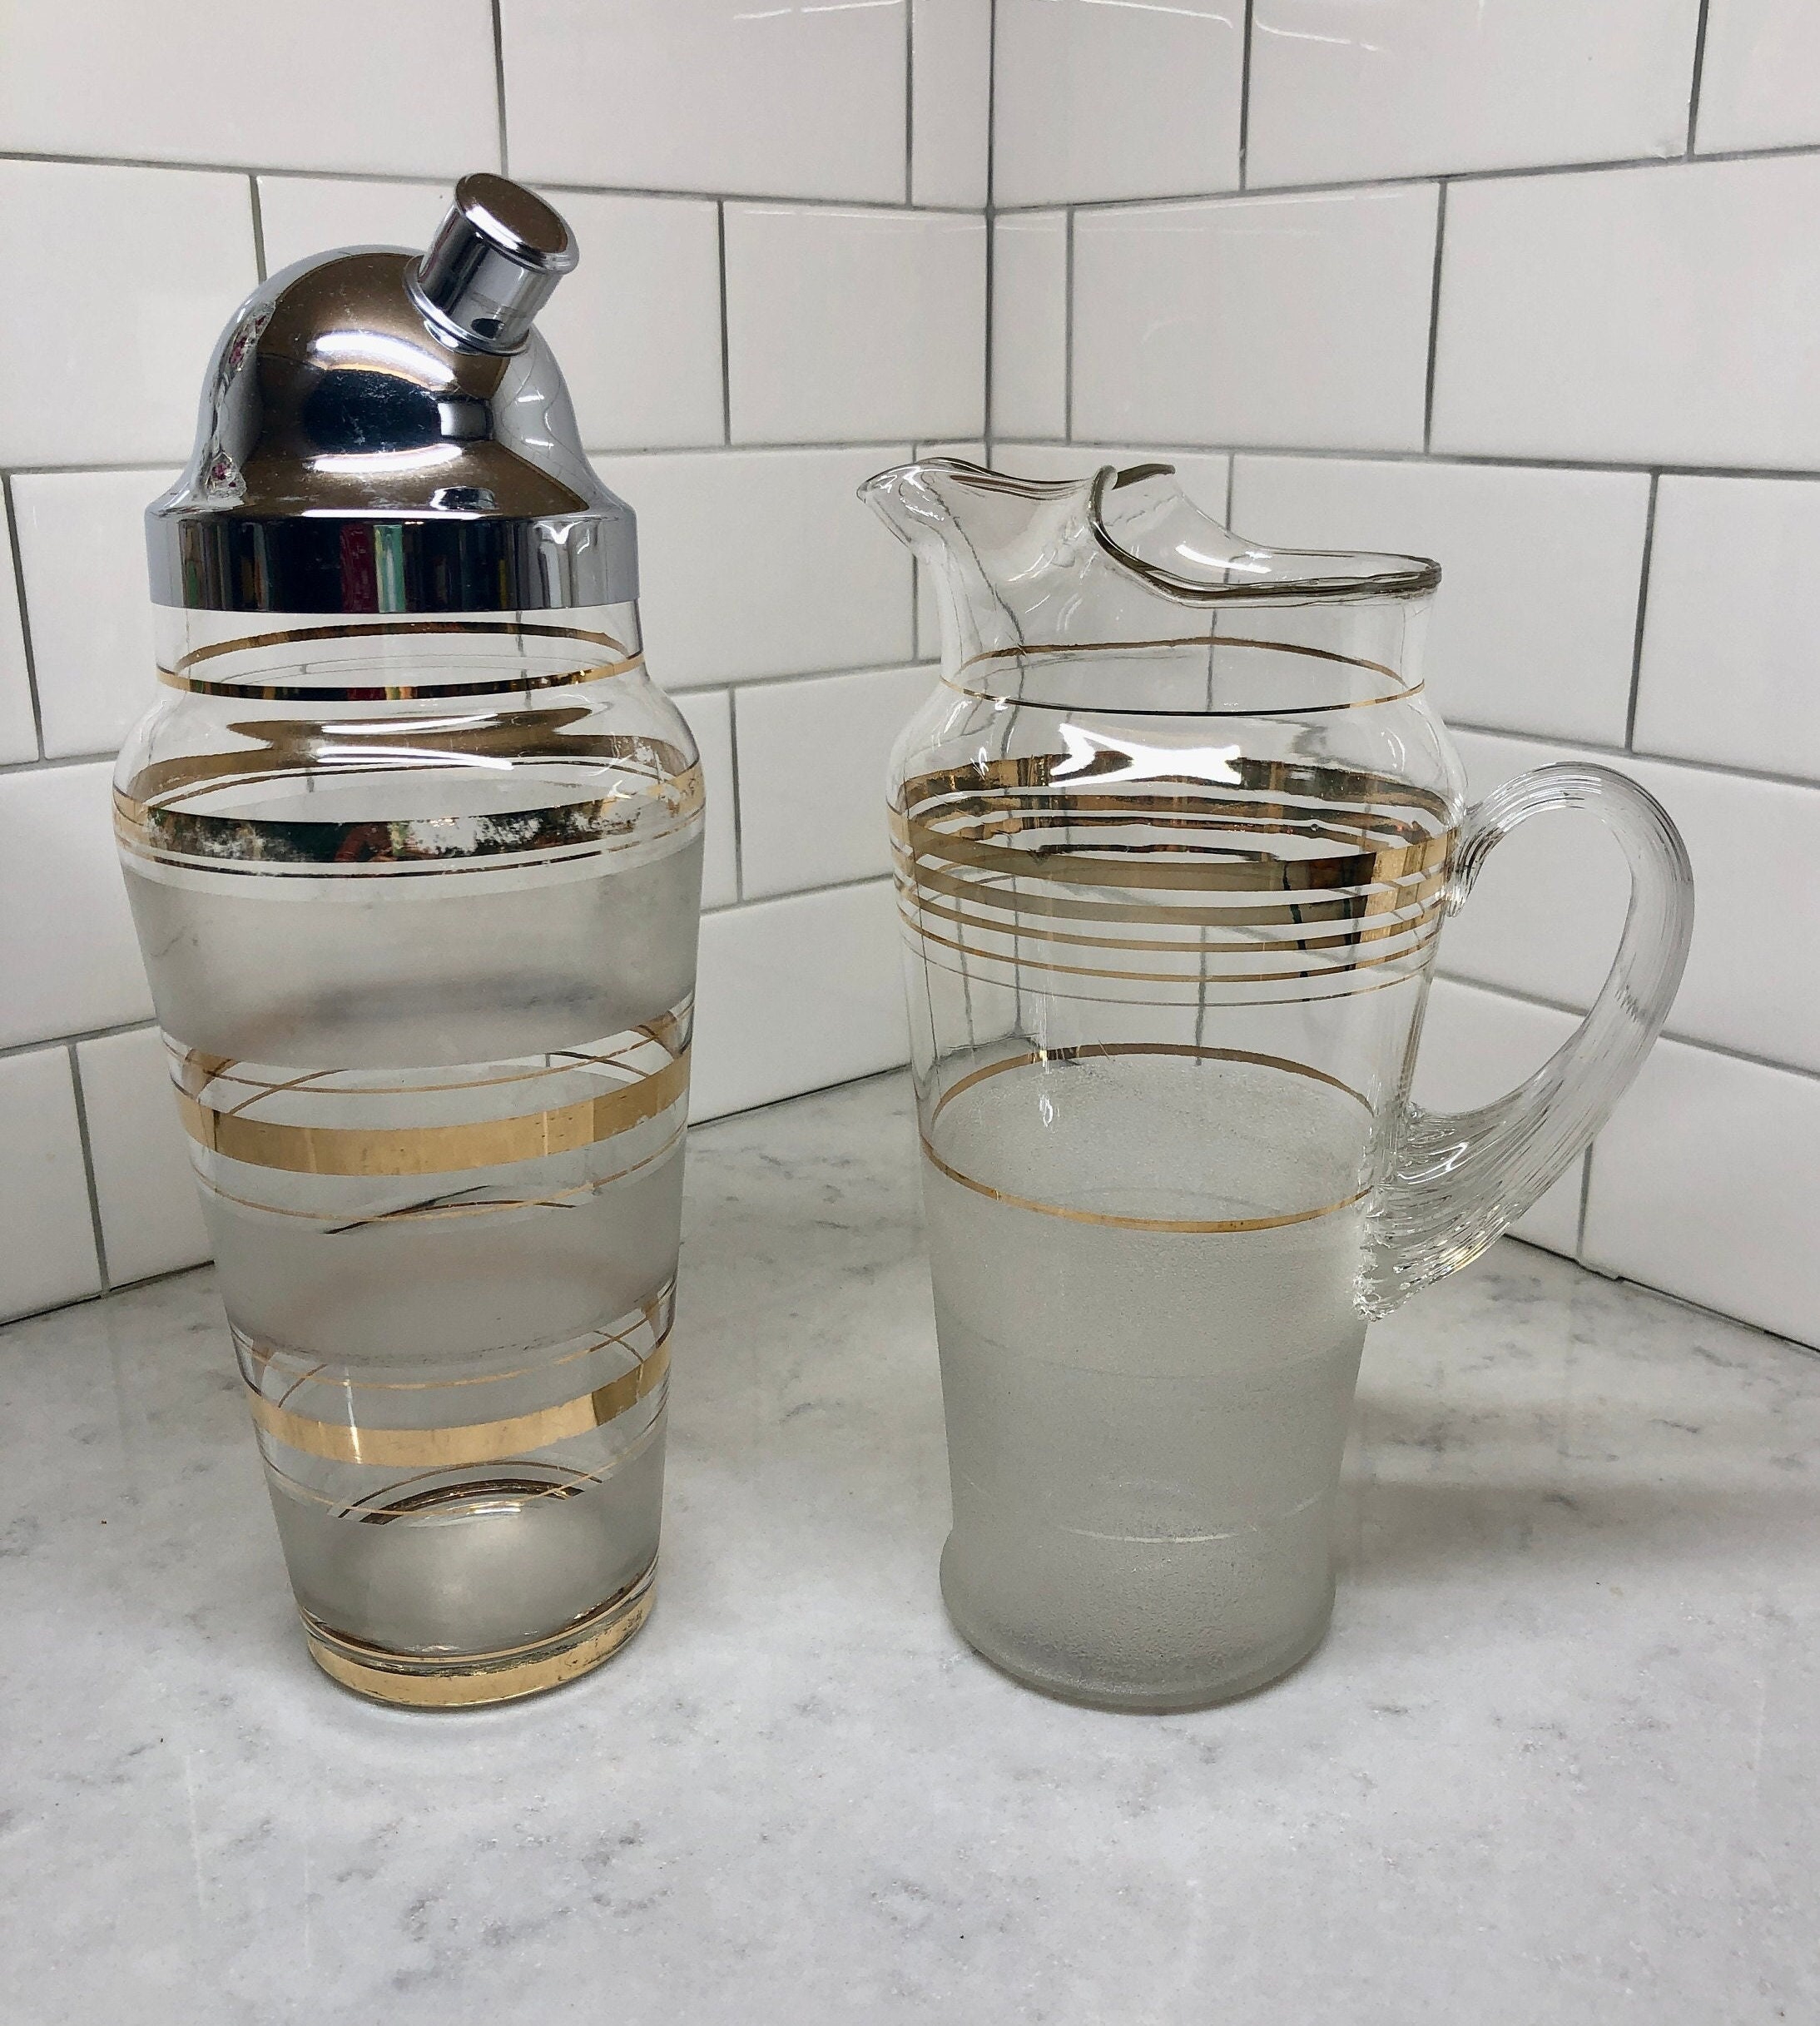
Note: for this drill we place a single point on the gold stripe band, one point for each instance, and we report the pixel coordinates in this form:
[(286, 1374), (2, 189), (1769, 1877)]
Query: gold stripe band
[(379, 1151), (479, 1442), (472, 1681), (1167, 1224)]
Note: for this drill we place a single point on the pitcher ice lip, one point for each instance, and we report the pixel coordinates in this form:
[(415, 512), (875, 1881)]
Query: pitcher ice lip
[(357, 452), (922, 501)]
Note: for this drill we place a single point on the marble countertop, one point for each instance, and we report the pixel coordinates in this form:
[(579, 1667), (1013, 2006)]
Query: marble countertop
[(1560, 1757)]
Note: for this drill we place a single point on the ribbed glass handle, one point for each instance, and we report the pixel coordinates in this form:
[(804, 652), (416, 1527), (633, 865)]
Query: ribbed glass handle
[(1457, 1180)]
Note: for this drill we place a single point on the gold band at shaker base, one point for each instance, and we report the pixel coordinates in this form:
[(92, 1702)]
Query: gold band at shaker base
[(480, 1442), (472, 1681)]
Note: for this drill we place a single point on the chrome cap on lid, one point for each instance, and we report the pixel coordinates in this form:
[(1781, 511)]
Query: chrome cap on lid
[(385, 432)]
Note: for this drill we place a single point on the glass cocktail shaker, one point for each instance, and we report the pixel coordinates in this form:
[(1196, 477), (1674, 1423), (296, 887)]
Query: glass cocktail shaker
[(414, 848)]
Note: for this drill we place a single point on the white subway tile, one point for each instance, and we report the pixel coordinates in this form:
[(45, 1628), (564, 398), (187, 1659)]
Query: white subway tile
[(951, 60), (722, 537), (1287, 321), (1731, 650), (709, 714), (1502, 649), (143, 1186), (637, 327), (1030, 323), (1094, 100), (796, 995), (1760, 78), (49, 1253), (1546, 914), (1705, 1182), (845, 325), (134, 273), (1406, 87), (1651, 315), (82, 548), (1477, 1047), (707, 95), (18, 736), (302, 215), (385, 85), (66, 946), (812, 758)]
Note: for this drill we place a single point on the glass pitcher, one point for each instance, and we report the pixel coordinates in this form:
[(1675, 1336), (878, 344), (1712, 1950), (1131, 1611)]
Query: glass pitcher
[(413, 849), (1174, 841)]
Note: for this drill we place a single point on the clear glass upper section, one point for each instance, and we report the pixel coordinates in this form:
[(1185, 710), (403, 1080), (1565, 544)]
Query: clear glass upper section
[(1118, 592)]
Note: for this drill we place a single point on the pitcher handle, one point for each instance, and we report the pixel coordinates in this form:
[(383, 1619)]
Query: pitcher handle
[(1456, 1180)]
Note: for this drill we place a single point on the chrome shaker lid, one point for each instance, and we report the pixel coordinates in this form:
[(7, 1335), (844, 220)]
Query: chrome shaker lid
[(382, 431)]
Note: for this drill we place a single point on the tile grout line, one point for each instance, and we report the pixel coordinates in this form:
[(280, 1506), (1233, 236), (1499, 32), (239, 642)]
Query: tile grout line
[(1680, 1040), (72, 1041), (1067, 326), (1585, 1197), (499, 87), (16, 563), (1245, 97), (1699, 69), (909, 100), (726, 350), (1680, 760), (739, 833), (1434, 320), (988, 440), (259, 227), (1344, 186), (1643, 612), (88, 1164)]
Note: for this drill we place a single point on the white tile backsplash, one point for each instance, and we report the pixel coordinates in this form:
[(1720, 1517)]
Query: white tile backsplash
[(635, 328), (18, 735), (846, 325), (66, 946), (1477, 1047), (720, 543), (1269, 321), (709, 715), (1630, 318), (83, 550), (812, 758), (304, 215), (1634, 314), (145, 1188), (795, 994), (1544, 916), (302, 88), (49, 1253), (1706, 1183), (1497, 654), (1095, 101), (1760, 80), (1030, 323), (135, 272), (707, 95), (950, 101), (1406, 87), (1731, 644)]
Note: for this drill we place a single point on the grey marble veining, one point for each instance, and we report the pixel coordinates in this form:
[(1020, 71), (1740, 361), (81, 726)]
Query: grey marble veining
[(1559, 1759)]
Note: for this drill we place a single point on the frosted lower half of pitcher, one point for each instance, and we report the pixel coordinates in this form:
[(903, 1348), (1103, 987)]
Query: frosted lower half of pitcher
[(1144, 1266)]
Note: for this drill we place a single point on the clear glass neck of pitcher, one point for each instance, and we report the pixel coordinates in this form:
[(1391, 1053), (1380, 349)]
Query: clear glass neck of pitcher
[(1118, 592)]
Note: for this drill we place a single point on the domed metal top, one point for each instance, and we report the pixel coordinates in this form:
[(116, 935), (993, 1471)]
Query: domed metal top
[(385, 433)]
